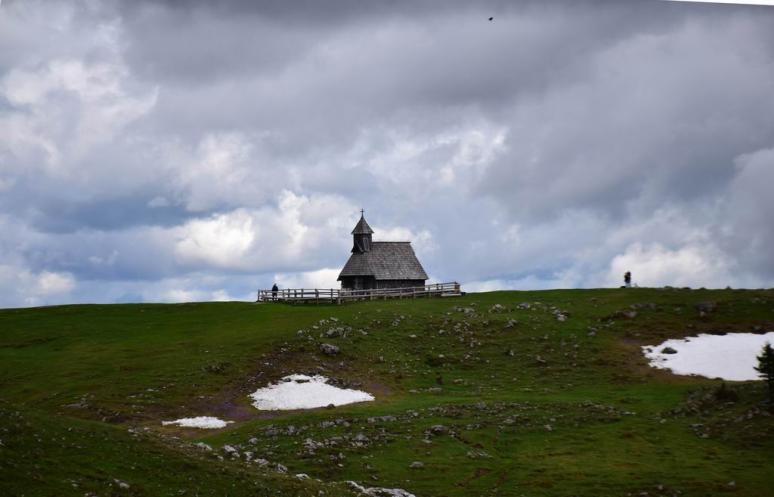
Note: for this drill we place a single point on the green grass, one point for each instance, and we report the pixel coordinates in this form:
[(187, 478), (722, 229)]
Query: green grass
[(540, 408)]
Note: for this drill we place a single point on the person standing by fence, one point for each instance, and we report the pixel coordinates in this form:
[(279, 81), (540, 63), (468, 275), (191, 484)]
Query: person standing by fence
[(274, 290)]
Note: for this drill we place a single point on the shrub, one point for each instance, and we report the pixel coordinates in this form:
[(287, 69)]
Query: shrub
[(765, 368)]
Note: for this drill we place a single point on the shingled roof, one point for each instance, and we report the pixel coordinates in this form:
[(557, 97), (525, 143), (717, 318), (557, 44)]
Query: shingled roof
[(385, 261), (362, 227)]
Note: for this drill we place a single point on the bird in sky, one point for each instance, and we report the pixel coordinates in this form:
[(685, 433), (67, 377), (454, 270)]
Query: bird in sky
[(491, 19)]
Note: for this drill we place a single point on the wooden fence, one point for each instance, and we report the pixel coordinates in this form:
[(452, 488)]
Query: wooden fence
[(334, 295)]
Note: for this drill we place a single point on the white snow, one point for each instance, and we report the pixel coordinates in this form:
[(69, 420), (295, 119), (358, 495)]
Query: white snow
[(298, 391), (730, 357), (206, 422)]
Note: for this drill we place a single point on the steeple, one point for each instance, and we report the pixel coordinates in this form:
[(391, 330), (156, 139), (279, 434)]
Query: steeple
[(361, 235)]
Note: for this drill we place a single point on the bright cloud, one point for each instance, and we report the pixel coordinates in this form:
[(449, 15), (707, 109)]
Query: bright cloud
[(655, 265)]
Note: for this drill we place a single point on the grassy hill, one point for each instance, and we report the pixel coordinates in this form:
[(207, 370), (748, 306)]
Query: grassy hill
[(504, 393)]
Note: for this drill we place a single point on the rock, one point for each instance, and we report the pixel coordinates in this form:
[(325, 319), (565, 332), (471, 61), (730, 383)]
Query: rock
[(477, 454), (668, 350), (121, 484), (510, 323), (382, 419), (706, 307), (380, 491), (438, 430), (329, 349), (417, 465)]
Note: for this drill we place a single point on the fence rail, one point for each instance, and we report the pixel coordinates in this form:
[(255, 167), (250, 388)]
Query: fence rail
[(335, 295)]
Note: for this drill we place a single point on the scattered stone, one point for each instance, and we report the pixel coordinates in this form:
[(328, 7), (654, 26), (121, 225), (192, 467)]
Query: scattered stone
[(668, 350), (417, 465), (121, 484), (380, 491), (329, 349), (231, 450), (478, 454)]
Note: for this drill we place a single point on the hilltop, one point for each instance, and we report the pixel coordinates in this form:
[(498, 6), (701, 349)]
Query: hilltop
[(505, 393)]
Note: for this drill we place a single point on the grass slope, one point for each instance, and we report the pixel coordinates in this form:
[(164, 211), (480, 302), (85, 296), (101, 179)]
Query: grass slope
[(495, 394)]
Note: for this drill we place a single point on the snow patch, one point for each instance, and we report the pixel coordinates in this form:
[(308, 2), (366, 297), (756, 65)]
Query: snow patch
[(298, 391), (729, 357), (205, 422)]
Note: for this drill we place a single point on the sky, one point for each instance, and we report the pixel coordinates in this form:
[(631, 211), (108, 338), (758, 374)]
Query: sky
[(170, 151)]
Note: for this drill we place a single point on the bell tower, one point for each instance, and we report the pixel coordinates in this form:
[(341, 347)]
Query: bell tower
[(361, 235)]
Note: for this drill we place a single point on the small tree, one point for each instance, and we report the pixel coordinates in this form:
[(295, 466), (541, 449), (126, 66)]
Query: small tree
[(765, 368)]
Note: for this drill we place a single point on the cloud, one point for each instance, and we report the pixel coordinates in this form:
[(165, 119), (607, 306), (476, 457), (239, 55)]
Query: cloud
[(320, 278), (655, 265), (164, 150), (26, 288), (747, 230), (261, 239)]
